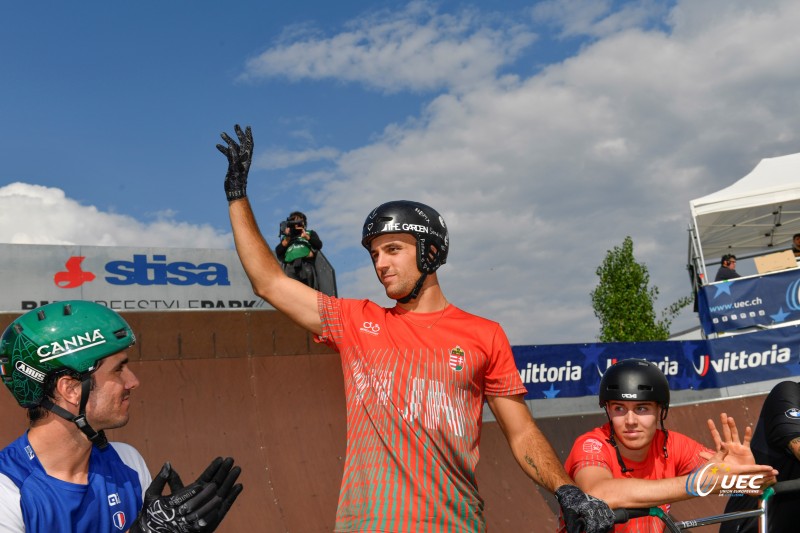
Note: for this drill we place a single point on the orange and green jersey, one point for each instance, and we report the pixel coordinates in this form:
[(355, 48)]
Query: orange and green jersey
[(594, 449), (414, 406)]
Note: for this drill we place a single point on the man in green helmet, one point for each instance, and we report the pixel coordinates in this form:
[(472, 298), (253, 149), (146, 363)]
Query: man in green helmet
[(67, 363)]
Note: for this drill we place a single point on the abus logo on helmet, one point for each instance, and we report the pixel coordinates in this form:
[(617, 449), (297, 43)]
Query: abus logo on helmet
[(29, 371), (703, 480), (73, 344)]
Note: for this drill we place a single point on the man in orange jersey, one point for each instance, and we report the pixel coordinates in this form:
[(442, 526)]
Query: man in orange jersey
[(630, 463), (416, 376)]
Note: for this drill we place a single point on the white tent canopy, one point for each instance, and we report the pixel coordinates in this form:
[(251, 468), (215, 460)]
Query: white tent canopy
[(758, 213)]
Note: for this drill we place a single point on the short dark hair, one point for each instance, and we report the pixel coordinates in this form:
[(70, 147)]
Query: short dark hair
[(796, 235), (728, 257), (294, 215)]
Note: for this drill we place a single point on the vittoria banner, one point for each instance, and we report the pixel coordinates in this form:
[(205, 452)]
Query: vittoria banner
[(124, 279), (571, 370)]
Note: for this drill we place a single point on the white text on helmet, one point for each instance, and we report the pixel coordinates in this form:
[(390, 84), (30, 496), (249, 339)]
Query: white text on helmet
[(70, 345), (396, 226), (628, 395), (29, 371)]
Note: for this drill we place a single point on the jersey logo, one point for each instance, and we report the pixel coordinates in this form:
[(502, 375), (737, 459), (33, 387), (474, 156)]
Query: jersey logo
[(794, 412), (592, 446), (113, 499), (457, 359), (371, 328), (119, 520)]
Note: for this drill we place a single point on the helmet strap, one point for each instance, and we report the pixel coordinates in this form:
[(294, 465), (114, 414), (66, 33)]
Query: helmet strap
[(415, 291), (98, 438)]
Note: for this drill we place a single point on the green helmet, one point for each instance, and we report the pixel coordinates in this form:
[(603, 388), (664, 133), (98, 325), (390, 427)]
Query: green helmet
[(70, 336)]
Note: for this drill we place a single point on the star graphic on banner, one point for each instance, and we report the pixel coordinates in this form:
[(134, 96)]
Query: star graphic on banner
[(780, 316), (552, 392), (591, 363), (723, 287)]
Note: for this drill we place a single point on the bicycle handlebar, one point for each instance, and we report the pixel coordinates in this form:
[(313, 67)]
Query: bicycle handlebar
[(782, 487), (623, 515)]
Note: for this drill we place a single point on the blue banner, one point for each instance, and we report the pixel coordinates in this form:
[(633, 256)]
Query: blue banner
[(746, 302), (573, 370)]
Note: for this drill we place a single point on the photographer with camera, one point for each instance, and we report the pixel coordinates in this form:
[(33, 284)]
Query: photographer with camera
[(297, 249)]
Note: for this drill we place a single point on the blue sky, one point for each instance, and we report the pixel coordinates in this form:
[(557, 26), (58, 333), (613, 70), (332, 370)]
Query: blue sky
[(545, 132)]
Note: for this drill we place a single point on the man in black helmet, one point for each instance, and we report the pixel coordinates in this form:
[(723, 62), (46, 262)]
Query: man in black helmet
[(67, 363), (631, 462), (416, 376)]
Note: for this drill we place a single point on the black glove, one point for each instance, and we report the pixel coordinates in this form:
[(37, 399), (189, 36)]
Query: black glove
[(200, 507), (582, 512), (239, 158)]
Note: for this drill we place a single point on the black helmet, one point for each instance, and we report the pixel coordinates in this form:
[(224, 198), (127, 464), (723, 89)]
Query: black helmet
[(635, 380), (423, 222)]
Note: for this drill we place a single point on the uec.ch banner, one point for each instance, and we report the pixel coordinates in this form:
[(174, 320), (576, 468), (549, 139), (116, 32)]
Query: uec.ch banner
[(747, 302), (572, 370)]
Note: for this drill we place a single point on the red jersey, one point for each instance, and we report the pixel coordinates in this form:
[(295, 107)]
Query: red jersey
[(593, 449), (414, 406)]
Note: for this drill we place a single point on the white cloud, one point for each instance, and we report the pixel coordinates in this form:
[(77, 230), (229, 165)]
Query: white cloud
[(538, 178), (597, 18), (277, 159), (416, 48), (33, 214)]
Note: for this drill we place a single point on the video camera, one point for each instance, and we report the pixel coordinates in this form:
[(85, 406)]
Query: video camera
[(296, 227)]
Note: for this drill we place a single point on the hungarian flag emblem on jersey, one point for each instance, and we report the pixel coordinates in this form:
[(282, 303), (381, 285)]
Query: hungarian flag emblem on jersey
[(457, 358)]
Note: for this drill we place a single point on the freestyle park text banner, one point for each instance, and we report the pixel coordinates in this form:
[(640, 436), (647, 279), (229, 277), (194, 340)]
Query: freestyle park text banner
[(124, 279), (573, 370)]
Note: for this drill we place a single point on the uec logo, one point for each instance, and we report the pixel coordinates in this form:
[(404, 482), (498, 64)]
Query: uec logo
[(703, 481)]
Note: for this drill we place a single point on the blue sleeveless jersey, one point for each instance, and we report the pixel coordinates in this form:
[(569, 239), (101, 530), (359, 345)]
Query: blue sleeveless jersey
[(109, 502)]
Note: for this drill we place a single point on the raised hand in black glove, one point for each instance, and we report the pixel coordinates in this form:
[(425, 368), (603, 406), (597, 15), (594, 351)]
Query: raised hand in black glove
[(200, 507), (239, 158), (583, 513)]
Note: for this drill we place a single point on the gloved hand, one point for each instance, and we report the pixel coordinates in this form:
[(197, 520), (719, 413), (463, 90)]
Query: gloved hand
[(200, 507), (239, 158), (583, 513)]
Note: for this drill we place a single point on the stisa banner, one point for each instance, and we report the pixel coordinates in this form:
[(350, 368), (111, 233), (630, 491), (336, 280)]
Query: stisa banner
[(573, 370), (124, 279)]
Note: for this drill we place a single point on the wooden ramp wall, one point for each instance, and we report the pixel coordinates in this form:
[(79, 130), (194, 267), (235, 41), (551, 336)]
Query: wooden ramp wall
[(252, 385)]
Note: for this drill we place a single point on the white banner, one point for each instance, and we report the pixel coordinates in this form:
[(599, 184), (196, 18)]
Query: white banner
[(124, 279)]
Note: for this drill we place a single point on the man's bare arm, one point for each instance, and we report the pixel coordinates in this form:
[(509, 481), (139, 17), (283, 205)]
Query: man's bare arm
[(530, 447), (297, 300)]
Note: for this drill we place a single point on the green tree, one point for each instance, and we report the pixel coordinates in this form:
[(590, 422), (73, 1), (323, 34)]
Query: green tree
[(624, 301)]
